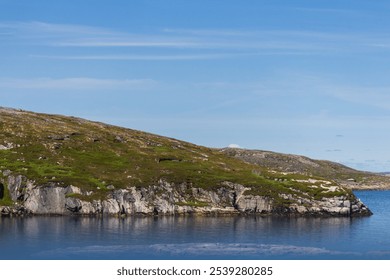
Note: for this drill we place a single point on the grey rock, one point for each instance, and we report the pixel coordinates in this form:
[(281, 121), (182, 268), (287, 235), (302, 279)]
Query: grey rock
[(111, 206), (167, 199), (58, 137), (119, 139), (46, 200), (256, 204), (347, 204), (73, 204), (7, 146), (16, 188), (345, 211), (5, 211)]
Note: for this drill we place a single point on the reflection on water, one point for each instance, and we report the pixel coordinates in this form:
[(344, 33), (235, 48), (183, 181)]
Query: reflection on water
[(186, 237), (169, 237)]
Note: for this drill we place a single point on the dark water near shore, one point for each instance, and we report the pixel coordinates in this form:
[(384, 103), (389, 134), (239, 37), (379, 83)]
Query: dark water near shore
[(250, 237)]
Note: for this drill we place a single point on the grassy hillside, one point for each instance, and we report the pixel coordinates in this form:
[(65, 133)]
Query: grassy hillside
[(310, 167), (53, 149)]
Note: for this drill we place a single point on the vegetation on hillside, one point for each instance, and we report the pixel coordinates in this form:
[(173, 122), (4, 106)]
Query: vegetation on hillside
[(59, 150), (309, 167)]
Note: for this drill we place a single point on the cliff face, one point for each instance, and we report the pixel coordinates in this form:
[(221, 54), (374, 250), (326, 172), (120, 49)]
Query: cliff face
[(168, 199), (52, 164)]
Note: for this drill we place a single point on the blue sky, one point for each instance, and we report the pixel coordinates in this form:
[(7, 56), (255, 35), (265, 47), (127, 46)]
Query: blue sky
[(302, 77)]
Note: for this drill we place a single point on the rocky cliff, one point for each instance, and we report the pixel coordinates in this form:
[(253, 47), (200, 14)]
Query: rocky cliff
[(167, 199), (52, 164)]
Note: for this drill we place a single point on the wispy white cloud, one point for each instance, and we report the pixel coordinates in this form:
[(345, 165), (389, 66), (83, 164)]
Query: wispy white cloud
[(59, 41), (162, 57), (35, 28), (271, 41), (141, 57), (126, 42), (67, 35), (284, 39), (80, 83)]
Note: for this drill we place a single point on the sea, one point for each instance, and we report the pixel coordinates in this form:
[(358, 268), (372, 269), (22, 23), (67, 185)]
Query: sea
[(201, 238)]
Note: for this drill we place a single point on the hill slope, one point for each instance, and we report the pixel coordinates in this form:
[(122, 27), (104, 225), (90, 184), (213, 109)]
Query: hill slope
[(339, 173), (52, 164)]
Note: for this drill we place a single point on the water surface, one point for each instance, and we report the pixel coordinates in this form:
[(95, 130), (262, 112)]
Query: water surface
[(241, 237)]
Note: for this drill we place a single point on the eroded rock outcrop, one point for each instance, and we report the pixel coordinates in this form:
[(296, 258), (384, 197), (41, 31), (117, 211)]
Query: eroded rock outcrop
[(168, 199)]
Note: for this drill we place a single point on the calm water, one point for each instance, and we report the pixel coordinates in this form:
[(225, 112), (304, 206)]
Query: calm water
[(201, 237)]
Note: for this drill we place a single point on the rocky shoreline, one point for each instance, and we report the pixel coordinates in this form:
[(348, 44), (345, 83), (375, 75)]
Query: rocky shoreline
[(168, 199)]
